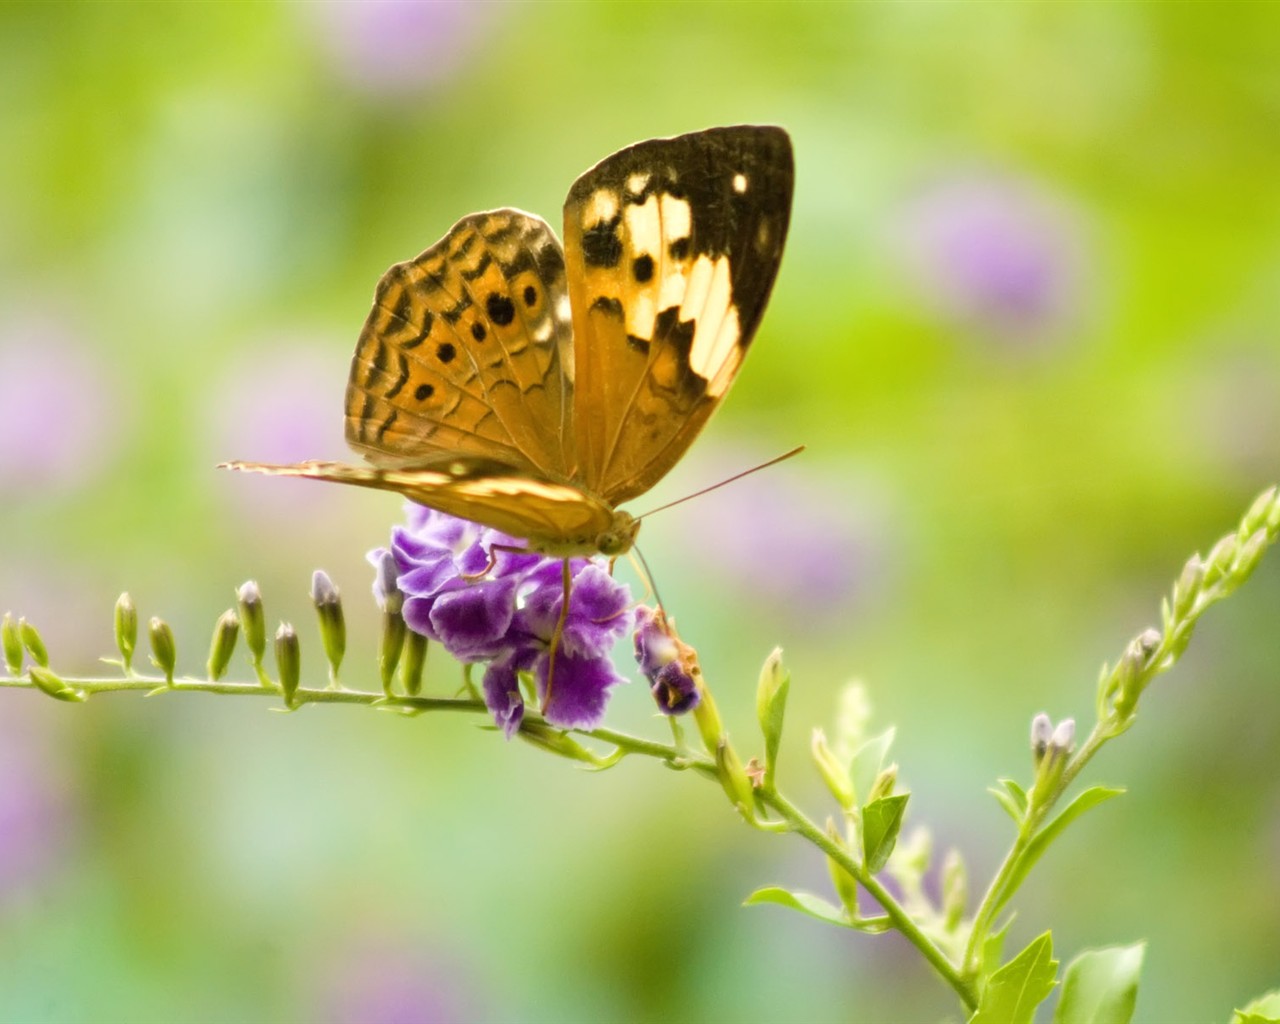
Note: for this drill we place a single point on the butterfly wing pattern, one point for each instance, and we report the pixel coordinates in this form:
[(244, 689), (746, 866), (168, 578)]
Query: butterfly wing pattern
[(533, 389)]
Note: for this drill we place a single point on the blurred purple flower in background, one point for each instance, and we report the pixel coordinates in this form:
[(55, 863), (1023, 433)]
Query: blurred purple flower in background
[(507, 617), (386, 983), (786, 539), (399, 46), (35, 816), (62, 411), (279, 401), (994, 252)]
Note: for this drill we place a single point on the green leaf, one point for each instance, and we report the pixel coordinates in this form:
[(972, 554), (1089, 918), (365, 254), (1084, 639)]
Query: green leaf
[(1014, 991), (1013, 798), (1100, 986), (1037, 847), (1263, 1010), (805, 902), (993, 948), (881, 822)]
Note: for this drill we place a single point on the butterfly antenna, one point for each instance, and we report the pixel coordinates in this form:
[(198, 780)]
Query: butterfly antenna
[(737, 476), (647, 575)]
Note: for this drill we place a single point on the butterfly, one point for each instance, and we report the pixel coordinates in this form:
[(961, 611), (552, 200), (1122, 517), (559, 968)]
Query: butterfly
[(534, 388)]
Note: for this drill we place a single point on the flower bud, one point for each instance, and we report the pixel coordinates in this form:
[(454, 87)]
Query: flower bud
[(1256, 518), (955, 889), (223, 644), (771, 707), (54, 686), (333, 626), (1041, 731), (288, 662), (253, 620), (1188, 587), (413, 661), (390, 644), (11, 640), (1220, 558), (164, 652), (833, 773), (883, 786), (1064, 734), (733, 777), (843, 882), (33, 642), (1250, 554), (126, 629)]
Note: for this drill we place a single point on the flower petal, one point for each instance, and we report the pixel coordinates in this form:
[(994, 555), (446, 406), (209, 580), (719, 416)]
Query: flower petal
[(502, 694), (579, 691), (472, 622)]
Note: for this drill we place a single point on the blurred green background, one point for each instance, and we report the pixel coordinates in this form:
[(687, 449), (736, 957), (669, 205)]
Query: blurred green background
[(1028, 324)]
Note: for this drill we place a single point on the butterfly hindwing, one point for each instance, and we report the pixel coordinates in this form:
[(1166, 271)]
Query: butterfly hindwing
[(672, 247), (467, 351)]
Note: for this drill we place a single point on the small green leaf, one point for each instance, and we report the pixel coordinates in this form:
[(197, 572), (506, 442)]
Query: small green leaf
[(881, 822), (1013, 798), (1263, 1010), (1014, 991), (1037, 847), (868, 760), (1100, 986), (805, 902), (993, 948)]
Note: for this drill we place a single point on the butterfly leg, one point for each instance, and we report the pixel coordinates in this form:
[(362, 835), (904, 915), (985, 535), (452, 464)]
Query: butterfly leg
[(556, 635), (489, 566)]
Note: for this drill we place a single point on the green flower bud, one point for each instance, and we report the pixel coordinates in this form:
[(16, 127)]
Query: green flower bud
[(883, 786), (413, 661), (1256, 518), (733, 777), (288, 662), (1250, 554), (54, 686), (11, 640), (844, 883), (126, 629), (333, 625), (253, 620), (833, 773), (1220, 558), (164, 652), (707, 717), (771, 707), (390, 644), (955, 889), (1188, 587), (223, 644), (32, 641)]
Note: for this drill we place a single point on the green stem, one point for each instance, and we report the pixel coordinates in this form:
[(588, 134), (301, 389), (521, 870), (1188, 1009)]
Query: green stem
[(902, 921)]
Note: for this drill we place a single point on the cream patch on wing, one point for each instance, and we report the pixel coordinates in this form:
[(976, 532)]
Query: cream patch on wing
[(709, 302)]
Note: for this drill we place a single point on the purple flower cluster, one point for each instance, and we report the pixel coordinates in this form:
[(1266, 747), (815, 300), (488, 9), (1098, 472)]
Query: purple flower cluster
[(507, 616)]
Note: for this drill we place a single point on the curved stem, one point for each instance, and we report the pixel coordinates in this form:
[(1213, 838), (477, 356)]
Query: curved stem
[(902, 921)]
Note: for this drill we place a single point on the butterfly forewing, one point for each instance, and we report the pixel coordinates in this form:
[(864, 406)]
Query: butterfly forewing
[(672, 247), (467, 351)]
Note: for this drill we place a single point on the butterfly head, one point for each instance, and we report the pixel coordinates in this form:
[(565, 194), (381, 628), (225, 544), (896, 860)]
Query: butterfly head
[(621, 535)]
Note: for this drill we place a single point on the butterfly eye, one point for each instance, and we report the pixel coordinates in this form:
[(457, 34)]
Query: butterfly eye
[(611, 544)]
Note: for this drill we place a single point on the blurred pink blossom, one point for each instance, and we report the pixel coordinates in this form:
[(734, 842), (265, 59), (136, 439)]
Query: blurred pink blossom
[(385, 983), (60, 407), (994, 252), (399, 46), (35, 813)]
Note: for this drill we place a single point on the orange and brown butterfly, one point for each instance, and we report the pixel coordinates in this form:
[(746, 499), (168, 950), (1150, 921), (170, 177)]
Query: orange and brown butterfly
[(532, 388)]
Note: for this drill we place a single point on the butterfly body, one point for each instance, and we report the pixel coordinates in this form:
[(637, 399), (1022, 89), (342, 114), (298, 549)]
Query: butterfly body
[(534, 388)]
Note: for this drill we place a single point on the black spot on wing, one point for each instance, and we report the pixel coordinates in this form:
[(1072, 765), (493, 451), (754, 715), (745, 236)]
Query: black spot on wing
[(530, 295), (445, 352), (601, 246), (478, 331), (423, 392), (608, 306), (642, 268), (501, 310)]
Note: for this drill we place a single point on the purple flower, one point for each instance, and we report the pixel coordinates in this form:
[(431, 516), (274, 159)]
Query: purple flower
[(666, 662), (465, 590), (994, 251)]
